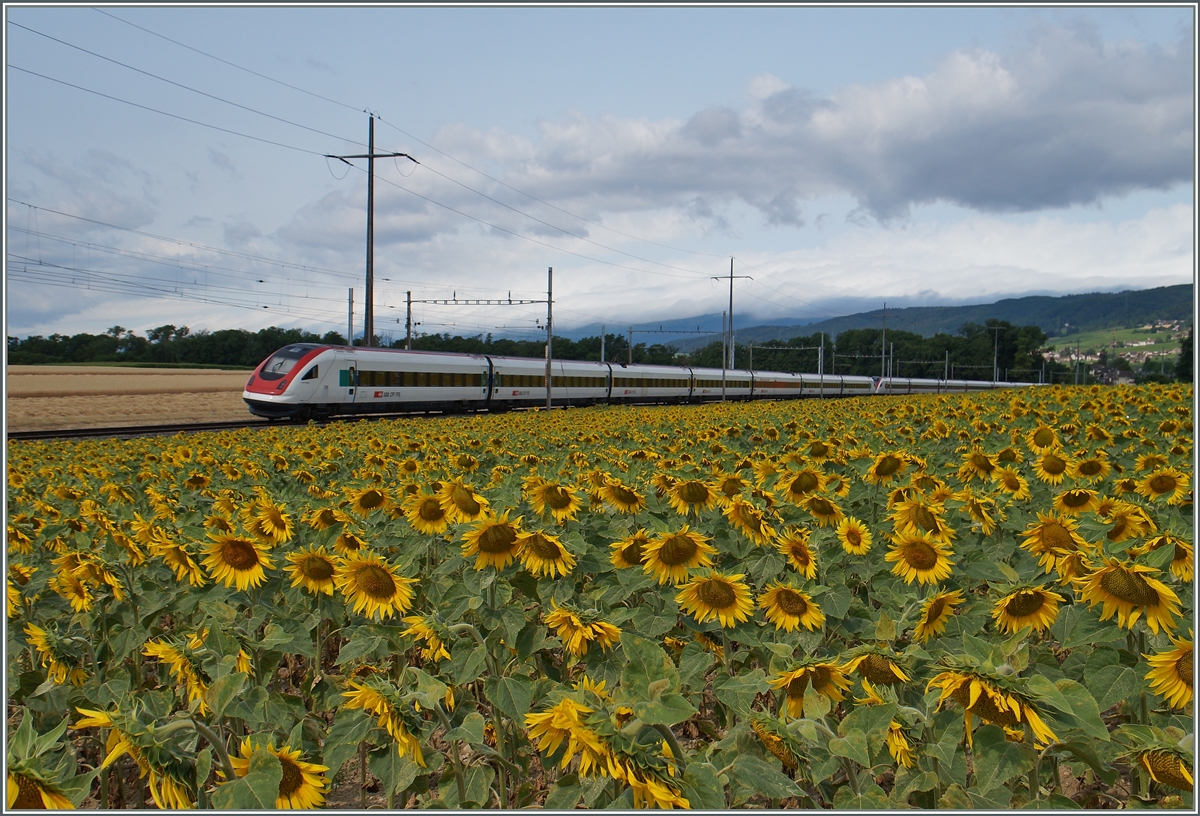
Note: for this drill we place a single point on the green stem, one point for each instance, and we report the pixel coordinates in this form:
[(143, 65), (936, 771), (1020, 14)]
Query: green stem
[(218, 745), (455, 757), (362, 775), (676, 750), (96, 669)]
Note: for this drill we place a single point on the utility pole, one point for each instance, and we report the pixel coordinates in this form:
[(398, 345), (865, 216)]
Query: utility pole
[(631, 345), (371, 156), (408, 323), (946, 370), (549, 331), (350, 320), (996, 353), (724, 352), (892, 360), (602, 328), (730, 328), (883, 345)]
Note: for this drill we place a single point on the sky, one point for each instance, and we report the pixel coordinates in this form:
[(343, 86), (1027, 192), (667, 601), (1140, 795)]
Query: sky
[(168, 165)]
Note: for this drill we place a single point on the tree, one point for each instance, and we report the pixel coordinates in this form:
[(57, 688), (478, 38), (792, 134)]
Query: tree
[(1183, 366)]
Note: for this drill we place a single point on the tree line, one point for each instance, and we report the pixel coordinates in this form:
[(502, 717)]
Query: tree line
[(974, 352)]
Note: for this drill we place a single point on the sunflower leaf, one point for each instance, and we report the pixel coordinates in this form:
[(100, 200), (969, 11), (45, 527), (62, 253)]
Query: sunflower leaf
[(738, 691), (565, 794), (647, 662), (511, 695), (701, 788), (996, 759), (395, 772), (1114, 684), (222, 691), (1085, 711), (669, 710), (852, 746), (757, 776)]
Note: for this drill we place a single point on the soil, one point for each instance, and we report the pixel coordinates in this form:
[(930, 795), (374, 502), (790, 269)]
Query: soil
[(60, 397)]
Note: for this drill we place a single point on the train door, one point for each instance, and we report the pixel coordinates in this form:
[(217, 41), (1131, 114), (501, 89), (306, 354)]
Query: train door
[(347, 383)]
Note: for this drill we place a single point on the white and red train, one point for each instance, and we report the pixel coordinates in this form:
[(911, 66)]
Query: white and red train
[(311, 381)]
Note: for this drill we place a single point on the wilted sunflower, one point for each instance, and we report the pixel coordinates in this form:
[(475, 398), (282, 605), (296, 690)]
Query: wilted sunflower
[(1076, 501), (425, 513), (237, 561), (691, 496), (302, 785), (1130, 591), (418, 627), (717, 595), (564, 721), (52, 657), (774, 739), (887, 466), (630, 552), (988, 698), (372, 587), (977, 465), (854, 536), (367, 500), (1027, 606), (349, 543), (1171, 672), (269, 521), (919, 516), (314, 569), (898, 747), (824, 511), (1128, 521), (493, 541), (377, 697), (788, 608), (1051, 537), (749, 520), (935, 612), (981, 510), (669, 556), (1168, 767), (920, 558), (1169, 482), (1052, 466), (621, 497), (184, 667), (543, 554), (794, 543), (561, 501), (461, 503), (828, 679)]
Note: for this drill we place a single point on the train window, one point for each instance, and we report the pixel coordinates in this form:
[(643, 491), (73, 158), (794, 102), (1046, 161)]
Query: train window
[(280, 364), (311, 374)]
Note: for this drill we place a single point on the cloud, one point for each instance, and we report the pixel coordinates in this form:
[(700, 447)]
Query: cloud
[(99, 185)]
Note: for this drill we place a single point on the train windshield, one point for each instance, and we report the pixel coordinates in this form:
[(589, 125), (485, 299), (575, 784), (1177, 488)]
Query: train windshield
[(283, 361)]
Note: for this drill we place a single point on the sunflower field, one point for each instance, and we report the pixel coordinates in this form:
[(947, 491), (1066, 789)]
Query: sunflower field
[(941, 601)]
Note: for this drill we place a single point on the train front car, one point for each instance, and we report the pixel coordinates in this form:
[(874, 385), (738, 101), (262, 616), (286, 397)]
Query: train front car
[(283, 385)]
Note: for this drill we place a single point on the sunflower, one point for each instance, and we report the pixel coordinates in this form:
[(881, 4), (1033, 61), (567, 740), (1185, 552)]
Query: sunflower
[(1011, 482), (314, 569), (986, 697), (795, 545), (981, 509), (376, 697), (920, 557), (1130, 591), (749, 520), (1168, 768), (302, 784), (1052, 537), (461, 503), (824, 511), (564, 721), (876, 667), (420, 628), (935, 612), (692, 495), (493, 541), (372, 587), (52, 659), (621, 497), (1076, 501), (1052, 466), (367, 500), (578, 630), (29, 792), (1171, 672), (854, 536), (1150, 461), (1127, 521), (788, 607), (630, 552), (918, 516), (827, 679), (269, 521), (543, 554), (237, 561), (977, 465), (799, 485), (1092, 469), (425, 513), (1042, 438), (1169, 482), (1027, 606), (887, 466), (669, 556), (184, 667), (898, 747), (561, 501), (717, 595), (1183, 559)]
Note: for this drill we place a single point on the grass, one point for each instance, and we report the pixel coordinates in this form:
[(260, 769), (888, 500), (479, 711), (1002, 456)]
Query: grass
[(1093, 341)]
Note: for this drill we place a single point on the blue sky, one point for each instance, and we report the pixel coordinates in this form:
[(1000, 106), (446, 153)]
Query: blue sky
[(842, 156)]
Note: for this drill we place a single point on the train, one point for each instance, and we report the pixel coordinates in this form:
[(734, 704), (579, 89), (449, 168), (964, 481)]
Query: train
[(310, 381)]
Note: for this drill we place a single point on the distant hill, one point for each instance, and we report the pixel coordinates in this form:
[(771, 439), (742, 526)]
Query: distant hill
[(1054, 315)]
